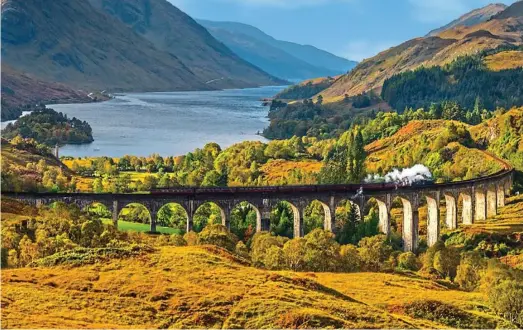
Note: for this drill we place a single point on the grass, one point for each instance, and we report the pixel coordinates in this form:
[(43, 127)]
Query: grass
[(505, 60), (277, 171), (141, 227), (205, 287)]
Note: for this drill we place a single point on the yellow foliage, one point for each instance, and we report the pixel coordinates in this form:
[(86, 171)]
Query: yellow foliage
[(183, 287), (505, 60)]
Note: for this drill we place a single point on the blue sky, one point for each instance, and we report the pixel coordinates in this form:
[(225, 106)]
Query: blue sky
[(355, 29)]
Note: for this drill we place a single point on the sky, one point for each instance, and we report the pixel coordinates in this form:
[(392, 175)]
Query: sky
[(354, 29)]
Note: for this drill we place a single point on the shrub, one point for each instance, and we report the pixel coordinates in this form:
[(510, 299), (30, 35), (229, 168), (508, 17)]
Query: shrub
[(506, 299), (218, 235), (274, 259), (374, 251), (191, 238), (12, 259), (446, 314), (162, 240), (350, 260), (261, 242), (84, 256), (408, 261), (177, 240), (242, 250)]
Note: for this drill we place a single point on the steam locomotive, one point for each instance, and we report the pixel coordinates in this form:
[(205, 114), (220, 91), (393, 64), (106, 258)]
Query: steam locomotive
[(291, 189)]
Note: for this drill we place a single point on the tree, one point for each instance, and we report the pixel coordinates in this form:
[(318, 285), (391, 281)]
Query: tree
[(321, 251), (319, 100), (214, 179), (470, 270), (218, 235), (242, 250), (358, 156), (98, 186), (334, 169), (261, 242), (350, 260), (408, 261), (506, 298), (273, 258), (446, 262), (374, 251), (294, 254), (28, 250)]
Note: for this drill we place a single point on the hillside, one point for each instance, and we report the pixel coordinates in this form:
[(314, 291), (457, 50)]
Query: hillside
[(504, 136), (430, 143), (504, 28), (280, 58), (171, 30), (206, 287), (72, 42), (306, 89), (472, 18), (19, 89)]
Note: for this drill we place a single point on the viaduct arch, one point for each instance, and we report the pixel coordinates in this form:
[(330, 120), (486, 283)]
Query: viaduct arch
[(481, 199)]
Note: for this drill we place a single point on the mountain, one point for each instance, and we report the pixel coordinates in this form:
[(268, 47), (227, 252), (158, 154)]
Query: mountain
[(280, 58), (472, 18), (171, 30), (20, 89), (503, 29), (69, 41)]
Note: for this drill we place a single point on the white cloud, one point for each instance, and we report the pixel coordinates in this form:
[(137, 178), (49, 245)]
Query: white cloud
[(359, 50)]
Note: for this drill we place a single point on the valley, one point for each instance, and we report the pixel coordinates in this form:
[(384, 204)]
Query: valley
[(174, 178)]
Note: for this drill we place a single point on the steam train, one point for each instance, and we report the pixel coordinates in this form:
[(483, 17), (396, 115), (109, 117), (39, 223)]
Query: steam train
[(290, 189)]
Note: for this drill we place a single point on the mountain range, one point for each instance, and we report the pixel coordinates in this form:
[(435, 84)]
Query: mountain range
[(505, 28), (121, 45), (283, 59)]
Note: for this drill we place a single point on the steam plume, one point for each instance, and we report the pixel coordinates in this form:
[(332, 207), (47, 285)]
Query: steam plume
[(410, 175)]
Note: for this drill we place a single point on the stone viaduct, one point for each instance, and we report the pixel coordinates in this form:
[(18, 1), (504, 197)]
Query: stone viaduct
[(479, 199)]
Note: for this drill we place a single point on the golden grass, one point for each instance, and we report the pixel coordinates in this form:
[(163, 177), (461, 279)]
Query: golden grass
[(206, 287), (509, 219), (175, 287), (276, 171), (505, 60)]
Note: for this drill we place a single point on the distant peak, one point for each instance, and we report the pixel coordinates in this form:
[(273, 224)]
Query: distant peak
[(473, 17)]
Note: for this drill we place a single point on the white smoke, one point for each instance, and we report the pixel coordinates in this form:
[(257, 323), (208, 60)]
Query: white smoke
[(410, 175)]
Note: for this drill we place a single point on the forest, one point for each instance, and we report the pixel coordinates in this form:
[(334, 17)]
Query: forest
[(305, 90), (49, 127), (462, 81)]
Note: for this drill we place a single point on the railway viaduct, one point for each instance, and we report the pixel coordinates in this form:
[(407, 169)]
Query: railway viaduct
[(479, 199)]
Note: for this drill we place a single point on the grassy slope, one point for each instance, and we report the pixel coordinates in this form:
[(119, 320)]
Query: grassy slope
[(207, 287), (384, 152), (505, 60)]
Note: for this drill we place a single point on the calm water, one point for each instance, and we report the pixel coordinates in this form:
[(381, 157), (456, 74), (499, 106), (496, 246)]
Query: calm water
[(169, 123)]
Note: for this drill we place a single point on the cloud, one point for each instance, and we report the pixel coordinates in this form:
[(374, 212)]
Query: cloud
[(359, 50), (438, 11)]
